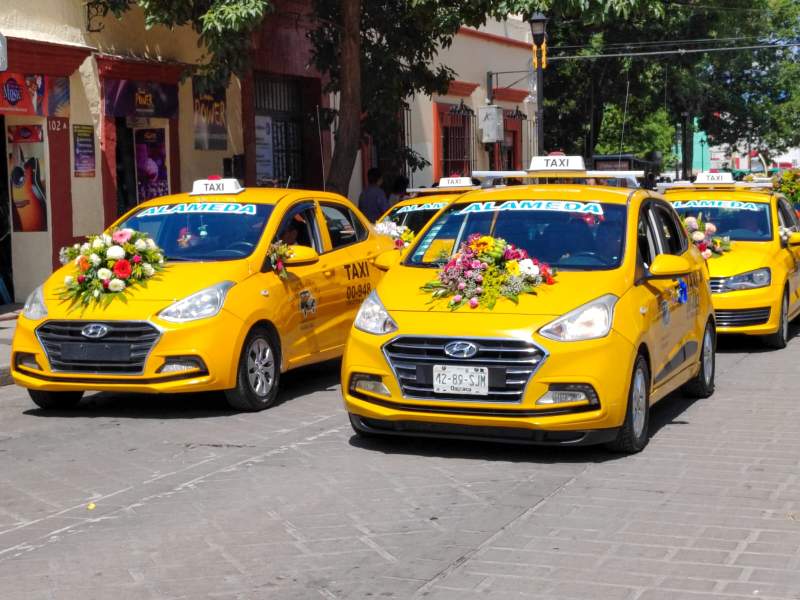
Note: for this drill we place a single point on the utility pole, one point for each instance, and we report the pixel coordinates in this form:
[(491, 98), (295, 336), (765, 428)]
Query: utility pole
[(538, 23)]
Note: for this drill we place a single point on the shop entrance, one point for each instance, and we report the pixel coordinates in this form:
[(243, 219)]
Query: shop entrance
[(142, 161), (6, 273)]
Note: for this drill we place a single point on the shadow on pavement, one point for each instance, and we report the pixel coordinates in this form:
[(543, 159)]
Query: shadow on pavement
[(295, 384), (751, 344)]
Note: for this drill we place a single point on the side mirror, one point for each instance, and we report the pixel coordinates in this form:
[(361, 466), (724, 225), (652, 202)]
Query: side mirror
[(302, 255), (386, 260), (794, 239), (669, 266)]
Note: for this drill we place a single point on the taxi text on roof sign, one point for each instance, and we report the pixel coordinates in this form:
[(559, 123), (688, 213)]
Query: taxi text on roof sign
[(707, 177), (557, 163), (215, 186), (446, 182)]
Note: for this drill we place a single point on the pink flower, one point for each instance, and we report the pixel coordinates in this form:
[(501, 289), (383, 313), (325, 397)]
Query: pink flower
[(467, 273), (461, 285), (473, 303), (691, 224), (707, 254), (476, 264), (479, 290), (711, 229), (137, 259), (479, 279), (121, 236), (457, 298)]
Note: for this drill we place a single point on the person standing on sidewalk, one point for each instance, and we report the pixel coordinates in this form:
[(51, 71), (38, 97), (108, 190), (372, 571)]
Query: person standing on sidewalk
[(373, 202)]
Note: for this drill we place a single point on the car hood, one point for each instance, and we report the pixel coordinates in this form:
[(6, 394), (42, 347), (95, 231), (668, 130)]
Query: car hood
[(400, 291), (743, 257)]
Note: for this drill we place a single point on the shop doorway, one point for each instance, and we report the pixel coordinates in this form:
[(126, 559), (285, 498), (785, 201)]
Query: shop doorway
[(126, 167), (6, 273), (142, 162)]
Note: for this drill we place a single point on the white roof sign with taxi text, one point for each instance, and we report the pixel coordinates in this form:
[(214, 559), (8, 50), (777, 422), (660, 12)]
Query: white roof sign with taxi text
[(707, 177), (204, 187), (557, 163), (446, 182)]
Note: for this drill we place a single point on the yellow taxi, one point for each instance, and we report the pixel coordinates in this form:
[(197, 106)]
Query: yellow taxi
[(627, 320), (756, 285), (218, 317), (415, 212)]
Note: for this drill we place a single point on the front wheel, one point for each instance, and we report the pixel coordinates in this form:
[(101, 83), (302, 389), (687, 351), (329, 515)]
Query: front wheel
[(702, 385), (633, 435), (780, 338), (55, 400), (258, 374)]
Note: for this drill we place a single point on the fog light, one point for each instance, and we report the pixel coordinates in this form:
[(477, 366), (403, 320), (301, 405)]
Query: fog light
[(363, 382), (180, 364), (568, 393), (26, 359)]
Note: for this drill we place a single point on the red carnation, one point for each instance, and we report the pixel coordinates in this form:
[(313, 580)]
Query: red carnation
[(105, 284), (279, 265), (137, 259), (702, 246), (81, 278), (122, 269)]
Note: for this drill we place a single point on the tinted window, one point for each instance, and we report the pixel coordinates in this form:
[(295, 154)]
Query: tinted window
[(565, 234), (299, 227), (343, 226), (744, 221), (203, 231), (788, 217), (671, 233)]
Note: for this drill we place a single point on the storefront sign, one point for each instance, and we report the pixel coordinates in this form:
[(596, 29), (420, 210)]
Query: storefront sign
[(265, 168), (128, 98), (83, 150), (34, 95), (152, 173), (210, 125), (27, 177)]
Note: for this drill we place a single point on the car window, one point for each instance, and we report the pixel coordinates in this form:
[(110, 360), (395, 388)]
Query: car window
[(343, 226), (299, 227), (786, 215), (647, 245), (671, 233), (740, 221)]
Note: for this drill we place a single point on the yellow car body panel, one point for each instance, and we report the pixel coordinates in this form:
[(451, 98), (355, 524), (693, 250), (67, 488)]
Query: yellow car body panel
[(746, 256), (645, 320), (309, 332)]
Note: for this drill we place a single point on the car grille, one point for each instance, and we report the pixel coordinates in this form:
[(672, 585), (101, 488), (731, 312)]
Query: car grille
[(717, 284), (742, 318), (122, 350), (510, 363)]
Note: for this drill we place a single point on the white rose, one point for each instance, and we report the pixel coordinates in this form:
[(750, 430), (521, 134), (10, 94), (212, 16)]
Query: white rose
[(140, 245), (116, 285), (77, 246), (104, 274), (148, 270), (115, 252), (98, 243), (107, 239), (85, 248), (698, 236), (151, 244), (68, 280), (62, 256), (160, 260), (94, 259), (96, 293), (526, 267)]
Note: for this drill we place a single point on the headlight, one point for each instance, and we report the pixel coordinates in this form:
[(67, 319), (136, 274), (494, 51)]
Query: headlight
[(587, 322), (34, 306), (747, 281), (372, 317), (200, 305)]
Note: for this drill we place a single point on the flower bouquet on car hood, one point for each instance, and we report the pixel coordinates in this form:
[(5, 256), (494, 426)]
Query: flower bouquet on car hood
[(702, 234), (400, 234), (108, 266), (485, 269)]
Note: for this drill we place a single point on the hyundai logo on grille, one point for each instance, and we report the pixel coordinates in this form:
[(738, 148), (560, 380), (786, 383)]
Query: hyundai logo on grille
[(94, 331), (461, 349)]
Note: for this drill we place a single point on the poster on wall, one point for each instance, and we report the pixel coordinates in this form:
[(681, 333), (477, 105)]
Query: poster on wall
[(83, 150), (265, 168), (152, 173), (26, 175), (34, 95), (210, 126), (129, 98)]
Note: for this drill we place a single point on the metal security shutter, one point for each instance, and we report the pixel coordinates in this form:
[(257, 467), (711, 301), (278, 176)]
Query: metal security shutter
[(281, 98)]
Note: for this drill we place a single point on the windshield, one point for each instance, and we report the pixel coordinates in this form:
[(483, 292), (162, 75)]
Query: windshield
[(203, 231), (743, 221), (414, 216), (583, 236)]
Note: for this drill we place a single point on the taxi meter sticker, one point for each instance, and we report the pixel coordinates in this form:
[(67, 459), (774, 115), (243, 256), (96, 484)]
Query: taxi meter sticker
[(231, 208), (731, 204), (591, 208), (418, 207)]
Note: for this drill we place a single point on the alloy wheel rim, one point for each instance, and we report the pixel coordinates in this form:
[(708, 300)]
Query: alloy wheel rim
[(708, 358), (639, 402), (260, 367)]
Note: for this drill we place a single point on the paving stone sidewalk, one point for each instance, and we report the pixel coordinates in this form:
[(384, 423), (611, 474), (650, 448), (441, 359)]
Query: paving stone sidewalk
[(8, 316)]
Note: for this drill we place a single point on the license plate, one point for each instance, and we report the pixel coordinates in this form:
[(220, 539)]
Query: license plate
[(96, 352), (471, 381)]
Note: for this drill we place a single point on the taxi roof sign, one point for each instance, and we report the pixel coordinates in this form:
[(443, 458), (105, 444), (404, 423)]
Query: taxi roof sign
[(557, 163), (203, 187), (449, 182), (709, 178)]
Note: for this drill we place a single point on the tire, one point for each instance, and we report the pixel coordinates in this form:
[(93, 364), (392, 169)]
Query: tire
[(780, 338), (633, 435), (55, 400), (702, 384), (258, 374)]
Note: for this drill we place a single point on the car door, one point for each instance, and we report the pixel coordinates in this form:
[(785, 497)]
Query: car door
[(301, 309), (790, 255), (347, 268)]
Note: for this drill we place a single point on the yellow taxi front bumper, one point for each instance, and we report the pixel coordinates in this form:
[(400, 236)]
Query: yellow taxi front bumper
[(748, 312), (604, 364), (208, 349)]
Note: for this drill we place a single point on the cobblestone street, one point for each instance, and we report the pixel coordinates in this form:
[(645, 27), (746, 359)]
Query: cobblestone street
[(193, 501)]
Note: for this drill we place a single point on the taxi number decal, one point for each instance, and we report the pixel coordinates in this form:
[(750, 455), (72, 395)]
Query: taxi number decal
[(356, 293), (233, 208), (418, 207), (592, 208), (732, 204), (357, 270)]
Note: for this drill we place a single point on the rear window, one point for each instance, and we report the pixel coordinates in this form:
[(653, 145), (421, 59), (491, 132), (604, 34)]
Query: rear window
[(414, 216)]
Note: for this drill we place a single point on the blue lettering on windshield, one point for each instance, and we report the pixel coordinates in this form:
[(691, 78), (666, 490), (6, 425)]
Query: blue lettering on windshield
[(418, 207), (731, 204), (233, 208), (591, 208)]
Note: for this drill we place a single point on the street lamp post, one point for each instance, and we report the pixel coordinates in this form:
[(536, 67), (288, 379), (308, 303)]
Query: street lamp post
[(538, 23), (703, 154)]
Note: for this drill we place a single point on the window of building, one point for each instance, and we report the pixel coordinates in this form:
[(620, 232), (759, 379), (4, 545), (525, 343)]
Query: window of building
[(281, 100), (456, 143)]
